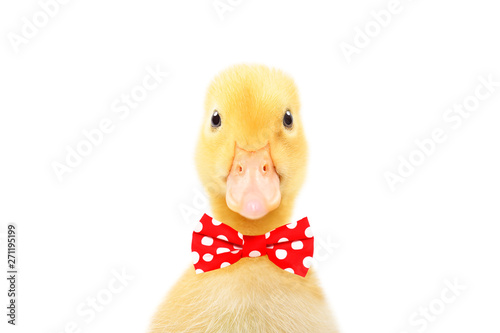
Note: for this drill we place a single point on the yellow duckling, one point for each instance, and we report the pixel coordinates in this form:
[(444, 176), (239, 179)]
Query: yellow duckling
[(251, 158)]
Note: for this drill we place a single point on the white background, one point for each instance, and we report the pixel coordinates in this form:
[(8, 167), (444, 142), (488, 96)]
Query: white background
[(120, 208)]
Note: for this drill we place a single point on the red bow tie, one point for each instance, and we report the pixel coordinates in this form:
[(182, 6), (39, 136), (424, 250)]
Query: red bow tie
[(217, 245)]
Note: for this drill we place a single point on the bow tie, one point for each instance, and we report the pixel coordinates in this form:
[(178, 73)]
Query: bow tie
[(216, 245)]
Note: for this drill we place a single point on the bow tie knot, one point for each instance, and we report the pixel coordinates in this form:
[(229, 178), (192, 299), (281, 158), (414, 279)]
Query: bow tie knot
[(254, 246), (216, 245)]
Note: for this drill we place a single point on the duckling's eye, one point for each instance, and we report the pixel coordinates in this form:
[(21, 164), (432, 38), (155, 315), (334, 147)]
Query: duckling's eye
[(288, 119), (216, 122)]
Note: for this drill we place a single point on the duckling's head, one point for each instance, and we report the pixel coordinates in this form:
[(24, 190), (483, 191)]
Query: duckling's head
[(251, 154)]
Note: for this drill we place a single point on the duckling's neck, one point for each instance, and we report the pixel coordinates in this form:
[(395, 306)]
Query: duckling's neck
[(278, 217)]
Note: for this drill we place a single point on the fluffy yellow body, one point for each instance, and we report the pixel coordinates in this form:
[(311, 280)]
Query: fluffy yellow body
[(252, 295)]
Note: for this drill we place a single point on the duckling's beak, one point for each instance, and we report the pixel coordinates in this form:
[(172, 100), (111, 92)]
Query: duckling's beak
[(253, 186)]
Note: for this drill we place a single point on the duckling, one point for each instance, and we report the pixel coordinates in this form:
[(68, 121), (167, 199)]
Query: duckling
[(251, 158)]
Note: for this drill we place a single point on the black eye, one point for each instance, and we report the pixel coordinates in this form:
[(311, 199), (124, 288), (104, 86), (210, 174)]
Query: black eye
[(216, 122), (288, 119)]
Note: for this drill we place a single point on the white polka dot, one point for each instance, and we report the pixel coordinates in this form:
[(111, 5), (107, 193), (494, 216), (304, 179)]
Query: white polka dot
[(268, 234), (254, 254), (235, 251), (199, 271), (198, 226), (195, 257), (281, 254), (215, 222), (208, 257), (240, 235), (237, 247), (222, 237), (297, 245), (207, 241), (222, 250), (308, 232), (270, 246), (224, 264), (282, 240), (307, 262), (289, 270), (291, 225)]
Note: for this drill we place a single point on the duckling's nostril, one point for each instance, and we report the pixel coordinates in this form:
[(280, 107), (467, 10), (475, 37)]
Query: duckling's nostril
[(264, 168)]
